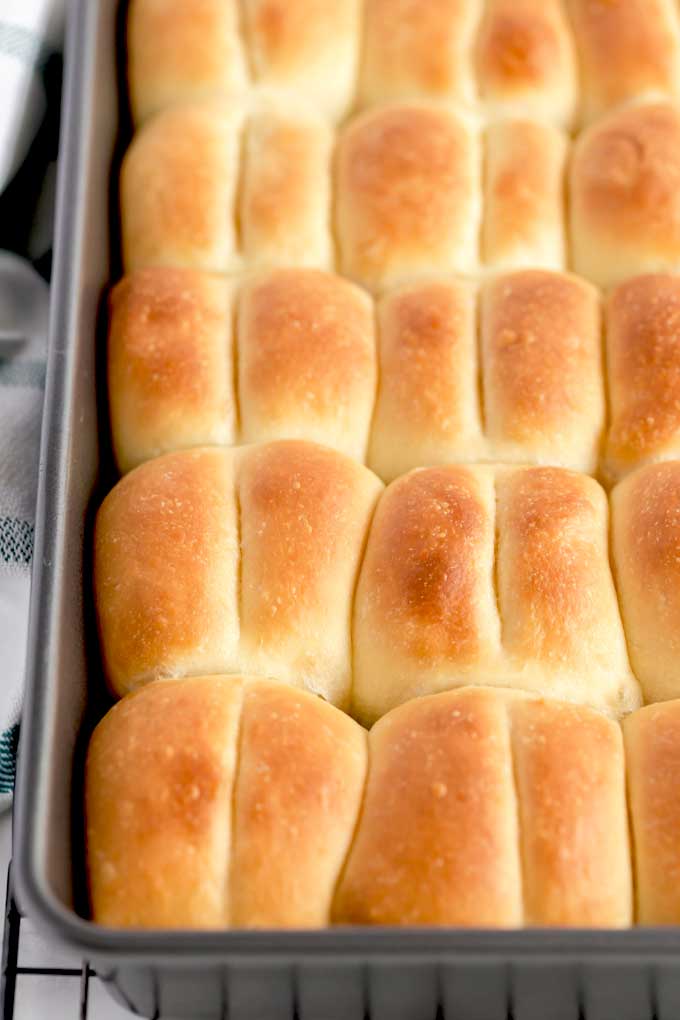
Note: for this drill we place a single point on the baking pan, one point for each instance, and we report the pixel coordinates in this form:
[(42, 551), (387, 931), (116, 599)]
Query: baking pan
[(344, 973)]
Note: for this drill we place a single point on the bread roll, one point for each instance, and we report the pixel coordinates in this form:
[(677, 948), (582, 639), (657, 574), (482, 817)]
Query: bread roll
[(525, 60), (306, 360), (183, 50), (625, 194), (407, 194), (219, 561), (169, 363), (185, 185), (652, 738), (166, 769), (643, 358), (159, 782), (627, 49), (299, 787), (524, 196), (646, 551), (427, 407), (542, 380), (415, 49), (492, 809), (437, 606)]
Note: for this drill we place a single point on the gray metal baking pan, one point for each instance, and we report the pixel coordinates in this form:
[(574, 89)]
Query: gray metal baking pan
[(350, 973)]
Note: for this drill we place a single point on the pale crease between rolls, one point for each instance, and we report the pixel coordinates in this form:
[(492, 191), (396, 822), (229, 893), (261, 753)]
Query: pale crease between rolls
[(248, 804), (269, 559)]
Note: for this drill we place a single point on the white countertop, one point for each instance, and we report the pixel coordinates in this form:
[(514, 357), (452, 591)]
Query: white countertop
[(50, 998)]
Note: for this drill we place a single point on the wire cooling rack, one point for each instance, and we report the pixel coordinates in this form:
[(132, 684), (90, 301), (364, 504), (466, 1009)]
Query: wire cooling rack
[(11, 970)]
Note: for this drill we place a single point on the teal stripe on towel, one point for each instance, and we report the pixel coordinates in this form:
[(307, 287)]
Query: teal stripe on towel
[(22, 373), (9, 742), (17, 41), (16, 541)]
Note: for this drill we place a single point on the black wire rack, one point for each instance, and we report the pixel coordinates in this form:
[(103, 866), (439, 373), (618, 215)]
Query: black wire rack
[(11, 970)]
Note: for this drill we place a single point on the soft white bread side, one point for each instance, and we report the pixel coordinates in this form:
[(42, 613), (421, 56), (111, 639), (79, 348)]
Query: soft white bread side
[(646, 554), (216, 560), (167, 770), (491, 808), (494, 576)]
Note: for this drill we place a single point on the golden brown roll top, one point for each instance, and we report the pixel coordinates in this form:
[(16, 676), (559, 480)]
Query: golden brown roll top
[(217, 801), (652, 738), (220, 801), (182, 50), (643, 357), (214, 189), (646, 549), (625, 194), (219, 561), (197, 360), (292, 354), (627, 49), (492, 576), (408, 197), (525, 60), (491, 808)]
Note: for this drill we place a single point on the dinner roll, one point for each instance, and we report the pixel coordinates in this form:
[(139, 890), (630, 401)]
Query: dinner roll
[(183, 50), (220, 801), (625, 194), (627, 49), (169, 363), (643, 358), (407, 194), (525, 60), (300, 361), (524, 196), (652, 738), (493, 809), (646, 549), (415, 49), (193, 173), (214, 560), (489, 575)]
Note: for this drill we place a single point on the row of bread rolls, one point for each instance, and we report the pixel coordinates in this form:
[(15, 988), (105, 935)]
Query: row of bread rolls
[(438, 371), (406, 190), (288, 559), (220, 801), (560, 60)]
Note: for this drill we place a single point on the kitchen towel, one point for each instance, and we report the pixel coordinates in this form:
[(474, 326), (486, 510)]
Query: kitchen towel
[(30, 36)]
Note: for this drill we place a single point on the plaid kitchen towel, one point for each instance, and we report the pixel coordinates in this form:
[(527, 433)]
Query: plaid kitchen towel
[(30, 37)]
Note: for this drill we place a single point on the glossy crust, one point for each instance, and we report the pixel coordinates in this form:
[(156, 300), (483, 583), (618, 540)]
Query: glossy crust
[(652, 738), (525, 60), (169, 363), (625, 194), (524, 208), (643, 358), (302, 767), (491, 808), (414, 49), (159, 779), (627, 49), (489, 575), (407, 199), (646, 548), (222, 560)]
